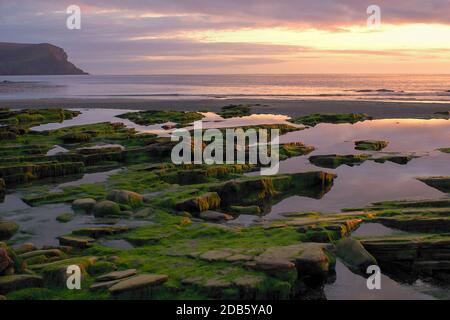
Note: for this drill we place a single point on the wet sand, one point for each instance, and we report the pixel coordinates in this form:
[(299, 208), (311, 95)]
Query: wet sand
[(376, 109)]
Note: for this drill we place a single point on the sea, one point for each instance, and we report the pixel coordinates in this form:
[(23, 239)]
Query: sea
[(369, 87)]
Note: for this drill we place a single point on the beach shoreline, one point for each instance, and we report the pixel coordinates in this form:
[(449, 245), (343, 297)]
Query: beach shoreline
[(376, 109)]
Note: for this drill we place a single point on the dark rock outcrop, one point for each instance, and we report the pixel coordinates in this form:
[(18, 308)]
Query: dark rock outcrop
[(35, 59)]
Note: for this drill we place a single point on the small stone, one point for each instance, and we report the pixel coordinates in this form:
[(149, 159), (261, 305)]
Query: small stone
[(117, 275), (138, 283)]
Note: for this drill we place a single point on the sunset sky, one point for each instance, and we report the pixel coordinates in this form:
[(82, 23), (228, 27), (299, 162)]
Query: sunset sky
[(235, 36)]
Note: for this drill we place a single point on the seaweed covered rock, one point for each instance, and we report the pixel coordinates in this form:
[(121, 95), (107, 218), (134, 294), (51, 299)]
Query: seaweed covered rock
[(97, 232), (85, 204), (204, 202), (372, 145), (311, 263), (19, 281), (55, 273), (232, 111), (65, 217), (355, 255), (76, 137), (149, 117), (440, 183), (80, 242), (100, 267), (399, 159), (126, 197), (138, 286), (316, 118), (7, 229), (333, 161), (106, 208), (246, 209), (25, 172)]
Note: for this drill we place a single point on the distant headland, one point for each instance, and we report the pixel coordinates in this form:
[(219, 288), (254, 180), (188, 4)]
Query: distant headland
[(35, 59)]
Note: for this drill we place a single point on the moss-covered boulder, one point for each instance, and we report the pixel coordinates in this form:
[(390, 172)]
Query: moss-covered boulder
[(106, 208), (65, 217), (7, 229), (85, 204), (372, 145), (126, 197), (246, 209), (353, 253)]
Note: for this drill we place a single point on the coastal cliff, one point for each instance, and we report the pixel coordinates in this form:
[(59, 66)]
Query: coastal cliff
[(35, 59)]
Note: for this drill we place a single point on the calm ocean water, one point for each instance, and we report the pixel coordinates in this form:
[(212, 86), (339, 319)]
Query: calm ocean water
[(323, 86)]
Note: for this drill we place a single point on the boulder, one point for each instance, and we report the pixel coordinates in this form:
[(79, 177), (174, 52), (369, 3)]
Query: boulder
[(86, 204), (117, 275), (138, 285), (215, 216), (17, 282), (354, 255), (7, 229), (125, 197), (106, 208)]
